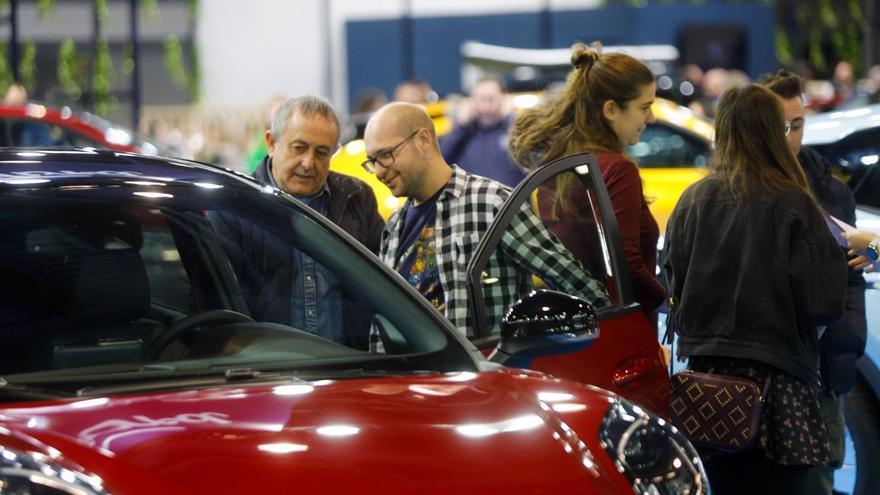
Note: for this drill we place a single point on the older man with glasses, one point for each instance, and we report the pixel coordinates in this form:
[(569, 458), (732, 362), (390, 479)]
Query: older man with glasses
[(431, 238)]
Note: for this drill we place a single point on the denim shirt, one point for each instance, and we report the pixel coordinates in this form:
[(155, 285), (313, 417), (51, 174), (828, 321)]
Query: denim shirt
[(316, 294)]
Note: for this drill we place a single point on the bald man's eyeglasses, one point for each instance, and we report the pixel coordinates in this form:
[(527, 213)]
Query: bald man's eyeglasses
[(385, 158)]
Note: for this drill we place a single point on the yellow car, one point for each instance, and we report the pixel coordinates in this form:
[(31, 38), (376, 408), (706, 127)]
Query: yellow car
[(672, 154)]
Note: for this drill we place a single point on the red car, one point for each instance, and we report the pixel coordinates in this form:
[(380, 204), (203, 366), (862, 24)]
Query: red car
[(139, 353), (35, 125)]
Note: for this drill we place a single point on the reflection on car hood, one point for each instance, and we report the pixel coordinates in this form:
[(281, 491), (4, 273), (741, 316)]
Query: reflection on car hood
[(437, 434)]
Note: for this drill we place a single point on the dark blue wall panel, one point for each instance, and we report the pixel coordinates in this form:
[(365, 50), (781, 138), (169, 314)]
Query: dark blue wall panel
[(611, 26), (437, 41), (376, 57)]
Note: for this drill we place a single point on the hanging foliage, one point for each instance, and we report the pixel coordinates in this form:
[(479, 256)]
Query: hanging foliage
[(45, 7), (783, 47), (102, 9), (71, 71), (5, 70), (150, 10), (128, 59), (195, 78), (102, 79), (824, 32), (27, 67), (174, 62), (193, 9)]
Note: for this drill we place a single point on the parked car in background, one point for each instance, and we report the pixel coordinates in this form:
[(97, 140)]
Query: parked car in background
[(850, 140), (42, 126), (673, 153), (132, 359)]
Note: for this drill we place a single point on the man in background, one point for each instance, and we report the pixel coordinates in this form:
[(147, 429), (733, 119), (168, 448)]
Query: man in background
[(478, 142), (843, 342)]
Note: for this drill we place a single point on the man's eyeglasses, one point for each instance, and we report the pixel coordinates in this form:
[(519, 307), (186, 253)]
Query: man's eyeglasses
[(385, 158), (787, 128)]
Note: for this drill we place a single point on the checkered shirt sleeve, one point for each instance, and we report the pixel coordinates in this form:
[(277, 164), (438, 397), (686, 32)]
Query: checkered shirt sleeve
[(465, 211)]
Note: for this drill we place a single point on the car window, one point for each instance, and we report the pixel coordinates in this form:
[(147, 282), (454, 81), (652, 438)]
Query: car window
[(87, 282), (169, 282), (856, 158), (661, 147)]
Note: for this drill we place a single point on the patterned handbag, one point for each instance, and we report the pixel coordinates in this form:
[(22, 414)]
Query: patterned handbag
[(717, 411)]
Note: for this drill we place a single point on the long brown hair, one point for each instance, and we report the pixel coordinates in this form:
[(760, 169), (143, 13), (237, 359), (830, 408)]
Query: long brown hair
[(751, 152), (570, 120)]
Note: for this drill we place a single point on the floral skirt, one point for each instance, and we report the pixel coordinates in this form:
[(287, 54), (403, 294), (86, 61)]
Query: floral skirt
[(793, 430)]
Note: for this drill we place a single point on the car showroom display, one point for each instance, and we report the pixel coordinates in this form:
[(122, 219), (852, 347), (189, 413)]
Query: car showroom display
[(132, 359)]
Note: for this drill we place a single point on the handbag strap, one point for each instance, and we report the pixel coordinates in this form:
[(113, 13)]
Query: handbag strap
[(669, 334), (766, 388)]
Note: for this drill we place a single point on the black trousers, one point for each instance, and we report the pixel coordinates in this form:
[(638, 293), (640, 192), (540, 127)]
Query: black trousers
[(753, 474)]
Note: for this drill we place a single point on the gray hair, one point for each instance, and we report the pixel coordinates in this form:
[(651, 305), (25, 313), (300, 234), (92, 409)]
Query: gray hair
[(309, 105)]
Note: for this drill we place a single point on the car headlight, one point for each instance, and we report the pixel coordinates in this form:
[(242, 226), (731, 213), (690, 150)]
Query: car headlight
[(27, 473), (654, 456)]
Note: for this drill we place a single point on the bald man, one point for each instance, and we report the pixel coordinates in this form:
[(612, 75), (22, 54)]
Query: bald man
[(432, 238)]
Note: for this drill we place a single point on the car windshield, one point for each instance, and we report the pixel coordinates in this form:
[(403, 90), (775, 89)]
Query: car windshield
[(137, 279)]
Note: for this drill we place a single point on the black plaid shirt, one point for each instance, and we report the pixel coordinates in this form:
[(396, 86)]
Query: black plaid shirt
[(465, 210)]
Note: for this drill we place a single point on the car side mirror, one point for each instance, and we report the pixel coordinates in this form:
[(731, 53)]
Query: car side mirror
[(545, 323)]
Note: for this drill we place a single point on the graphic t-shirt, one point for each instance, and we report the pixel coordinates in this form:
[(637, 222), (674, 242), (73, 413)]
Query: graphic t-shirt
[(417, 254)]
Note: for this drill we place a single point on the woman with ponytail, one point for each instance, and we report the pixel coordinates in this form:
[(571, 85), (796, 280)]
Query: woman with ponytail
[(602, 108)]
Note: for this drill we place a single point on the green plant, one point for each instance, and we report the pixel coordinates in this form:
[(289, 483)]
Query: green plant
[(150, 9), (174, 62), (5, 71), (822, 33), (71, 71), (102, 79), (27, 66), (45, 7)]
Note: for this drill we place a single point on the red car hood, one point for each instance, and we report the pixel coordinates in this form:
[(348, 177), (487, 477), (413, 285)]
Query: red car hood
[(452, 433)]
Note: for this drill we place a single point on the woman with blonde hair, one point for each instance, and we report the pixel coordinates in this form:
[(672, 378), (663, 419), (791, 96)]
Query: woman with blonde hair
[(754, 276), (602, 108)]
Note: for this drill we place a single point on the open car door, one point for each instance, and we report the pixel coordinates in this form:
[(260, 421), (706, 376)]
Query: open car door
[(577, 229)]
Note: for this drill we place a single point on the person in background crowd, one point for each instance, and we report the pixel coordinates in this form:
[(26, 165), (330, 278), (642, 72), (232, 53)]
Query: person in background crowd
[(754, 274), (603, 107), (691, 86), (714, 82), (368, 101), (16, 94), (415, 91), (290, 287), (430, 240), (844, 82), (478, 142), (872, 85), (844, 340), (258, 149)]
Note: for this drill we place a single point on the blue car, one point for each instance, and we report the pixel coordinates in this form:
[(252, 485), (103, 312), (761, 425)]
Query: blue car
[(850, 140)]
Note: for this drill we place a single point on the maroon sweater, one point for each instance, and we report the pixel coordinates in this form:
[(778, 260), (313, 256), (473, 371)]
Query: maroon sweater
[(638, 229)]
